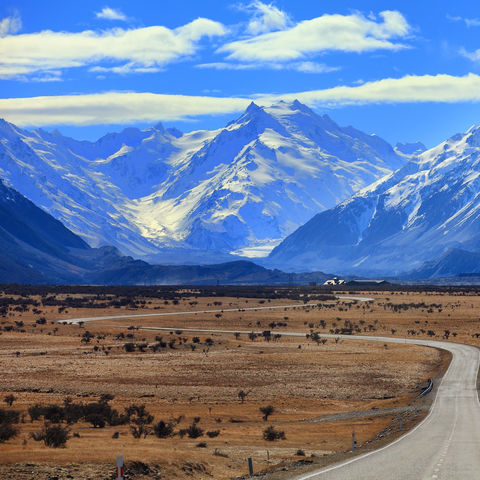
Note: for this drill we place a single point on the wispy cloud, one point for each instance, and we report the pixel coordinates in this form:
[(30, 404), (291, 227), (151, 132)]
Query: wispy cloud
[(108, 13), (305, 67), (113, 107), (118, 48), (347, 33), (473, 56), (10, 25), (129, 107), (469, 22), (408, 89), (265, 17)]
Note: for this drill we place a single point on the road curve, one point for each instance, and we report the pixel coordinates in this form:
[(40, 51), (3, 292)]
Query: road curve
[(444, 446)]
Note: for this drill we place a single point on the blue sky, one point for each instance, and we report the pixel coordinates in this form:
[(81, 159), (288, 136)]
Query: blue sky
[(408, 73)]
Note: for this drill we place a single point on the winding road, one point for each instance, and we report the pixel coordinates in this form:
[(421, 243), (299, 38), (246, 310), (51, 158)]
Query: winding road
[(444, 446)]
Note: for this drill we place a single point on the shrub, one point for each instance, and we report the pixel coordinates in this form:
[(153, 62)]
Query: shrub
[(9, 416), (9, 399), (163, 430), (54, 436), (7, 431), (97, 420), (139, 420), (193, 431), (213, 433), (270, 434), (53, 413), (35, 412)]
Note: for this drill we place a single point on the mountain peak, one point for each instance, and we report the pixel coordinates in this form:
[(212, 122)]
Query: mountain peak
[(253, 107), (159, 126)]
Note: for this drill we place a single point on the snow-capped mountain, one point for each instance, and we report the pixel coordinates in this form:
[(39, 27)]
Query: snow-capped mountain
[(35, 248), (236, 190), (423, 212)]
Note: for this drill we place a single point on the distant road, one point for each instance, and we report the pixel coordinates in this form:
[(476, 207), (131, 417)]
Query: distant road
[(445, 446), (192, 312)]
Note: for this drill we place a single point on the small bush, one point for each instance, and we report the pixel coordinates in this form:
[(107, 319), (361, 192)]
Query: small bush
[(9, 399), (213, 433), (53, 436), (270, 434), (300, 453), (193, 431), (7, 431), (201, 445), (35, 412), (163, 430), (9, 416), (97, 420)]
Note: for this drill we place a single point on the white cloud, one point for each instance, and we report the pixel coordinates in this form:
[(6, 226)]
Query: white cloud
[(305, 67), (129, 107), (469, 22), (108, 13), (473, 56), (113, 107), (266, 18), (10, 25), (408, 89), (348, 33), (149, 48)]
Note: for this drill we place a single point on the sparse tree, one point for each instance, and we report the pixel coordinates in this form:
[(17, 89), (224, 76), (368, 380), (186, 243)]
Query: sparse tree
[(267, 411), (242, 395)]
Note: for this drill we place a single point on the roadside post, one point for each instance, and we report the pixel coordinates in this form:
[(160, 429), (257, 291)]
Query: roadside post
[(353, 440), (250, 466), (120, 475)]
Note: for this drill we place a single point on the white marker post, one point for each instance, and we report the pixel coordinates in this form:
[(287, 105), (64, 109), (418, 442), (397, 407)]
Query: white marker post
[(120, 475)]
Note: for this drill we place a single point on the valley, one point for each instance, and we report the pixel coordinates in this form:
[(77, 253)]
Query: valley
[(317, 388)]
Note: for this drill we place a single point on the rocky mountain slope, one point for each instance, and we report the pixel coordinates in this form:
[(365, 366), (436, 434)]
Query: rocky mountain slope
[(35, 248), (425, 218), (162, 195)]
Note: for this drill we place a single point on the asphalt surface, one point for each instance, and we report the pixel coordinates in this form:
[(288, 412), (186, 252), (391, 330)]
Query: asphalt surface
[(446, 445)]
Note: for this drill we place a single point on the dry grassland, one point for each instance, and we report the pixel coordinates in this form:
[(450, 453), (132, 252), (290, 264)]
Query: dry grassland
[(319, 391)]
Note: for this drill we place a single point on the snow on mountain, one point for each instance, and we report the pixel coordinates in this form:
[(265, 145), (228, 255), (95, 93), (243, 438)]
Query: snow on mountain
[(427, 208), (236, 190), (410, 149)]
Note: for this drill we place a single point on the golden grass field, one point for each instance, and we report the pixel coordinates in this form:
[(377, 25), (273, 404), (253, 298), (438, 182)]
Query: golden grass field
[(306, 383)]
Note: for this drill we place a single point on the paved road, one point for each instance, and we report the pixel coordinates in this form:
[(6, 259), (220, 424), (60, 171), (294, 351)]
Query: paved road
[(445, 446)]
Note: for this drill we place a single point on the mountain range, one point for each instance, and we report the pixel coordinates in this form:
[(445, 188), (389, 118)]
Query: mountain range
[(162, 195), (35, 248), (421, 221), (324, 197)]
